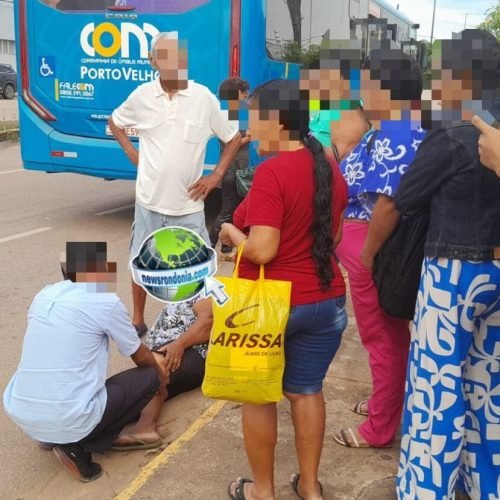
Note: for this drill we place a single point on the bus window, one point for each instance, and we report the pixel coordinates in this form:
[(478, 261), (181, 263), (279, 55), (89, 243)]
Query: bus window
[(295, 29), (146, 6)]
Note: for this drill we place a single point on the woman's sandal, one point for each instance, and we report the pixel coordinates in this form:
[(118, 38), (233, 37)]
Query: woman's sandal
[(294, 481), (346, 437), (357, 408), (239, 492)]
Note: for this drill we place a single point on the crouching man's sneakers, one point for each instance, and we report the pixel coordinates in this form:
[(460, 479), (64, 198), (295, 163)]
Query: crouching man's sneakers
[(78, 462)]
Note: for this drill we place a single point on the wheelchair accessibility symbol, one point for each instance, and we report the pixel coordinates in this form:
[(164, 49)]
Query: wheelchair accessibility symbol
[(47, 67)]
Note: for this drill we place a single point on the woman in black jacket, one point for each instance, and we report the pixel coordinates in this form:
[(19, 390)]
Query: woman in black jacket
[(451, 423)]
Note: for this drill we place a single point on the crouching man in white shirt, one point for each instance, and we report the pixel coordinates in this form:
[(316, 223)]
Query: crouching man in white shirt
[(59, 395), (175, 118)]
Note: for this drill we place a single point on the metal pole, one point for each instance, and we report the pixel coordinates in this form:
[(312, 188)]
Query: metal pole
[(465, 22), (433, 17)]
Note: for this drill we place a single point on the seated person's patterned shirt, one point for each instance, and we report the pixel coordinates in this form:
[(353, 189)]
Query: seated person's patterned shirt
[(172, 322)]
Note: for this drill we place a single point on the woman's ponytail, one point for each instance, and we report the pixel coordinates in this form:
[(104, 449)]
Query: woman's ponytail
[(323, 218)]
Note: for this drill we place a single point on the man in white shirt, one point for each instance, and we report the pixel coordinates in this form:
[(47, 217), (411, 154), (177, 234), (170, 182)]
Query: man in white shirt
[(59, 394), (175, 118)]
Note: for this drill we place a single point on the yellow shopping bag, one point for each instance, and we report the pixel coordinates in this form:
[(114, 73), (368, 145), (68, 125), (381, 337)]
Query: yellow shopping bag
[(246, 359)]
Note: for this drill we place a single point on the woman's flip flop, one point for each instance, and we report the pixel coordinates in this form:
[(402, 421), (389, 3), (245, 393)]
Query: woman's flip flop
[(239, 492), (357, 408), (294, 481), (346, 437)]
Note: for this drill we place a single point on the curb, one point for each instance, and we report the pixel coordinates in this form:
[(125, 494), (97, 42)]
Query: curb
[(9, 134)]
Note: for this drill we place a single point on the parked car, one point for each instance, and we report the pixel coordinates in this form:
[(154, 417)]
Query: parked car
[(8, 81)]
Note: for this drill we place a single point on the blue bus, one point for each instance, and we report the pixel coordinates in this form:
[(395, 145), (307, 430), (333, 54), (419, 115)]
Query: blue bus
[(80, 59)]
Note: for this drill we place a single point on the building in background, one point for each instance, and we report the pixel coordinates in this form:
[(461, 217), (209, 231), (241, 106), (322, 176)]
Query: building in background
[(7, 43), (296, 28)]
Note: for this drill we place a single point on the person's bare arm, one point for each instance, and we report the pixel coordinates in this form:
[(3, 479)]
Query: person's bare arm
[(201, 188), (246, 140), (143, 357), (384, 221), (261, 245), (197, 333), (340, 231), (124, 141)]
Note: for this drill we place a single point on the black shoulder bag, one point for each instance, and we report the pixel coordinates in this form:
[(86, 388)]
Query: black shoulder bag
[(398, 265)]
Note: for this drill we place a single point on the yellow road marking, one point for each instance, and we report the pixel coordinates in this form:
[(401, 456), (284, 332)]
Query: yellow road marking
[(162, 459)]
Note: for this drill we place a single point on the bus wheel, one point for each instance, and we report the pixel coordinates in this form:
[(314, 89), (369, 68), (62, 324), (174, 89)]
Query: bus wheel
[(9, 91)]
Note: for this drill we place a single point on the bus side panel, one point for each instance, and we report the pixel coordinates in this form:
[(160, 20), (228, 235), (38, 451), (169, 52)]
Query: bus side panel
[(35, 149), (112, 163), (43, 140)]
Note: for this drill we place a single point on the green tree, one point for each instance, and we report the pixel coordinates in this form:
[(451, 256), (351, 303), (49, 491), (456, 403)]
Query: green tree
[(426, 59), (492, 21), (295, 53)]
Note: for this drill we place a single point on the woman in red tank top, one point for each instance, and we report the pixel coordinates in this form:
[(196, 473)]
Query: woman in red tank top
[(290, 220)]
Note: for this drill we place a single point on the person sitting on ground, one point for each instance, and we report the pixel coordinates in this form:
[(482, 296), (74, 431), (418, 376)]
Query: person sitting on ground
[(235, 92), (60, 394), (179, 340)]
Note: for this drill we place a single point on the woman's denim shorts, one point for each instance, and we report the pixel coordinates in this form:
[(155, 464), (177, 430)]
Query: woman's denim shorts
[(312, 337)]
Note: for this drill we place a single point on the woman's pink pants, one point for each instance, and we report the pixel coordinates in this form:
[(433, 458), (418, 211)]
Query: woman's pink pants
[(386, 339)]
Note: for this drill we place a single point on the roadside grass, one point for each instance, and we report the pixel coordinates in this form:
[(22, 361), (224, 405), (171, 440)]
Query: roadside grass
[(9, 131)]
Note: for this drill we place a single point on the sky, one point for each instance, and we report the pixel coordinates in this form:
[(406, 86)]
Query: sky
[(450, 15)]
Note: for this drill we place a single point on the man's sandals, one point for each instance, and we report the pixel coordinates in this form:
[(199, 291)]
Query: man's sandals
[(347, 437), (135, 443)]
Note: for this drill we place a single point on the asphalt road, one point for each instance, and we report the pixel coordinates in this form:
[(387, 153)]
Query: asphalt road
[(39, 213)]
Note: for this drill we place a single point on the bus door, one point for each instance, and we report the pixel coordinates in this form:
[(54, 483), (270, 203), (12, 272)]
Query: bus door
[(84, 59)]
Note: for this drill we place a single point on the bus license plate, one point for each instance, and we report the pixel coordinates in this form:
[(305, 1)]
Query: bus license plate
[(131, 132)]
